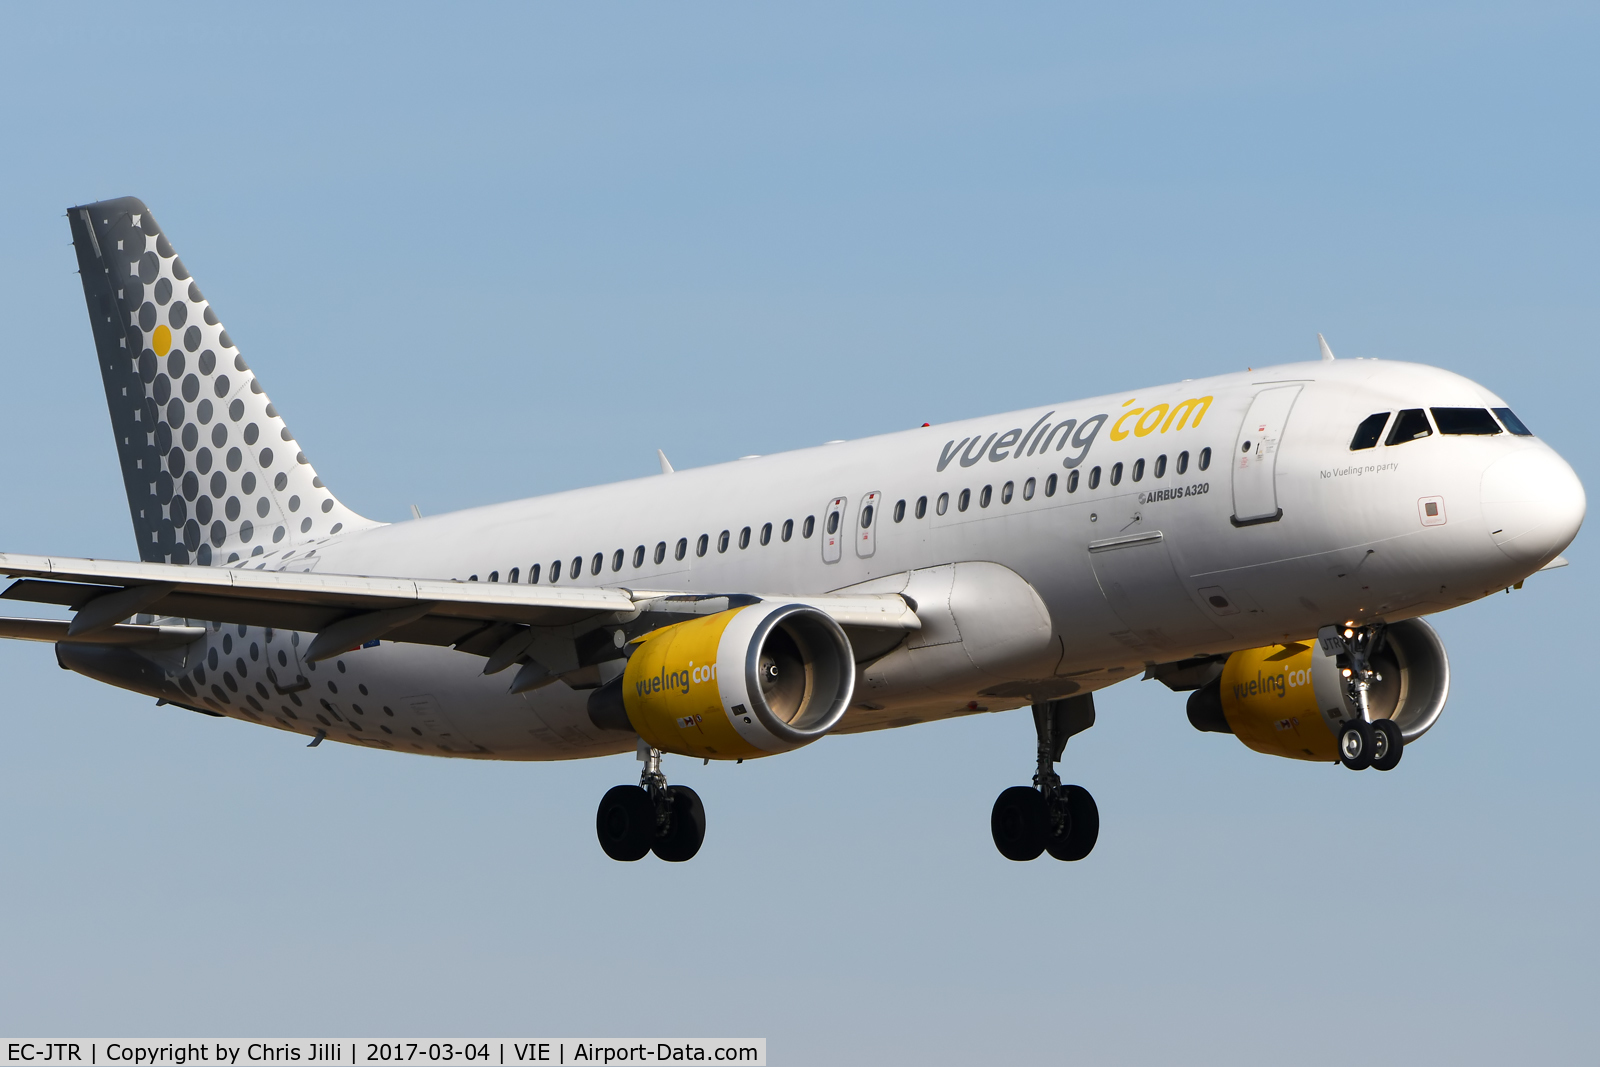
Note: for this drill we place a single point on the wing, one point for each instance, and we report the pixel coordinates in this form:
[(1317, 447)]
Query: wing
[(498, 620)]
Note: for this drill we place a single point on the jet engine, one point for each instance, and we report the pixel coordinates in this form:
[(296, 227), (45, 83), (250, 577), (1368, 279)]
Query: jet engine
[(1289, 700), (752, 681)]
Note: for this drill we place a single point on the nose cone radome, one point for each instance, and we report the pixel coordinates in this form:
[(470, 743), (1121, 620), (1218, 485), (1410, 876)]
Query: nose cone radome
[(1533, 503)]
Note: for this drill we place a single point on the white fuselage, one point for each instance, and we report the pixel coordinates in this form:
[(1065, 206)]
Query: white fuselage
[(1150, 570)]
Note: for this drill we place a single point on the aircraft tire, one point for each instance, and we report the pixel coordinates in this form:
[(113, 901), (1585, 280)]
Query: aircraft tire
[(1393, 745), (1355, 744), (688, 830), (626, 823), (1020, 822), (1083, 825)]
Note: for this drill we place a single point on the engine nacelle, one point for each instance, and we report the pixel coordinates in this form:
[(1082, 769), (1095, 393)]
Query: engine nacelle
[(1289, 700), (752, 681)]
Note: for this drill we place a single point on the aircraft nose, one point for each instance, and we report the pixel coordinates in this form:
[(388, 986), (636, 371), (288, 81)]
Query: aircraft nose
[(1533, 504)]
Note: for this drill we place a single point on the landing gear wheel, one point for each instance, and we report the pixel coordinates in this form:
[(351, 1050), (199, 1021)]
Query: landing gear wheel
[(626, 823), (686, 826), (1020, 823), (1387, 745), (1082, 824), (1355, 744)]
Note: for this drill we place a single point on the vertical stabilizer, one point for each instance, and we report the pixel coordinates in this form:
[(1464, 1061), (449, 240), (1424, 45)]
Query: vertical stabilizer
[(212, 472)]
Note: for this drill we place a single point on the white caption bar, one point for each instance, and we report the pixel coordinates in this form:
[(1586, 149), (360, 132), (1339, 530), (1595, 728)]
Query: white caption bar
[(470, 1052)]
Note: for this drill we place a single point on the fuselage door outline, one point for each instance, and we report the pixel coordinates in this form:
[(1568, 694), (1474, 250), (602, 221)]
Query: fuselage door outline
[(833, 532), (867, 525)]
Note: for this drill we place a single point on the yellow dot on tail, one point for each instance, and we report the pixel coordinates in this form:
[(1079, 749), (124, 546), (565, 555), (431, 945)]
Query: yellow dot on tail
[(161, 340)]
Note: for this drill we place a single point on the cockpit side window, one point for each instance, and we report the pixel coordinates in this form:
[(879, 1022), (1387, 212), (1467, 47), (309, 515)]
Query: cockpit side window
[(1369, 431), (1512, 423), (1463, 422), (1409, 425)]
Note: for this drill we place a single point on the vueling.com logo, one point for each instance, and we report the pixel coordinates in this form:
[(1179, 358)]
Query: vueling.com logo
[(667, 680), (1070, 433), (1160, 415)]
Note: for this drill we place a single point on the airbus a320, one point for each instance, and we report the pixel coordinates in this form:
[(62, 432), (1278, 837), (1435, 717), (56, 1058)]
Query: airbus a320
[(1268, 542)]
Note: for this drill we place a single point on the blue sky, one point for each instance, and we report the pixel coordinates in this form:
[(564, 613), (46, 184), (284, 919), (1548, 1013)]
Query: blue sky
[(482, 253)]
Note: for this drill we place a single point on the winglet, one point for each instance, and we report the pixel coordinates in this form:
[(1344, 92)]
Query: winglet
[(666, 468), (1327, 353)]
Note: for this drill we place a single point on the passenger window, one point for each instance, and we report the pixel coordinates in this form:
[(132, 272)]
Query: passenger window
[(494, 576), (922, 507), (1094, 478), (766, 534), (944, 503), (1005, 493), (618, 556), (984, 495), (1183, 463), (577, 567), (638, 557), (555, 571), (1116, 473), (661, 553), (1410, 425), (1138, 469), (964, 500), (533, 574), (683, 549), (833, 522), (1072, 484), (472, 579), (1204, 459), (788, 529), (701, 545), (744, 537), (1369, 431), (512, 577), (899, 510), (1465, 422), (1027, 489), (866, 517), (1161, 467), (722, 541), (808, 527), (596, 563), (1512, 423)]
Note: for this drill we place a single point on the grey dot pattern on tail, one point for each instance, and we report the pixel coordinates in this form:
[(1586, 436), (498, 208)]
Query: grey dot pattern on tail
[(208, 496)]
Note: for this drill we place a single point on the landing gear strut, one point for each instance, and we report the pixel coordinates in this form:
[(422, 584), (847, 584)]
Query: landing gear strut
[(652, 816), (1048, 816), (1363, 741)]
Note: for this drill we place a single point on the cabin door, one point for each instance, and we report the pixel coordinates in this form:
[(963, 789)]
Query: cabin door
[(1255, 456)]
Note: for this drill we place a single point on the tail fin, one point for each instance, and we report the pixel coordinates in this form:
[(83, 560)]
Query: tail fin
[(213, 474)]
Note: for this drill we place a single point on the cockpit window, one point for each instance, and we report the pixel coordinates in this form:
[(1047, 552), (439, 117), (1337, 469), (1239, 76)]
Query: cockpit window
[(1409, 425), (1465, 422), (1369, 431), (1514, 424)]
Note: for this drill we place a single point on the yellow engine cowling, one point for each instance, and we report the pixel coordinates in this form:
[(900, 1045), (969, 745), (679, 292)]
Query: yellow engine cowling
[(751, 681), (1289, 700)]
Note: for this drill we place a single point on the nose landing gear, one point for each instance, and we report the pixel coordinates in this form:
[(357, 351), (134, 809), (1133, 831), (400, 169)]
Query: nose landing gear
[(1048, 816), (652, 816), (1363, 741)]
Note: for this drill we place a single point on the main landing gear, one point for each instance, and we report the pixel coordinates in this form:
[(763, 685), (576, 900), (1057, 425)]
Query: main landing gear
[(1048, 816), (652, 816), (1363, 741)]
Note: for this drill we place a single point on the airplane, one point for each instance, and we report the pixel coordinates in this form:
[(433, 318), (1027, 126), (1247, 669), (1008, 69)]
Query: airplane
[(1268, 542)]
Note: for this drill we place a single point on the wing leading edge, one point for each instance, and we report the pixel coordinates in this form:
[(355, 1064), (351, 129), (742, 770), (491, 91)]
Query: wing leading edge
[(347, 610)]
